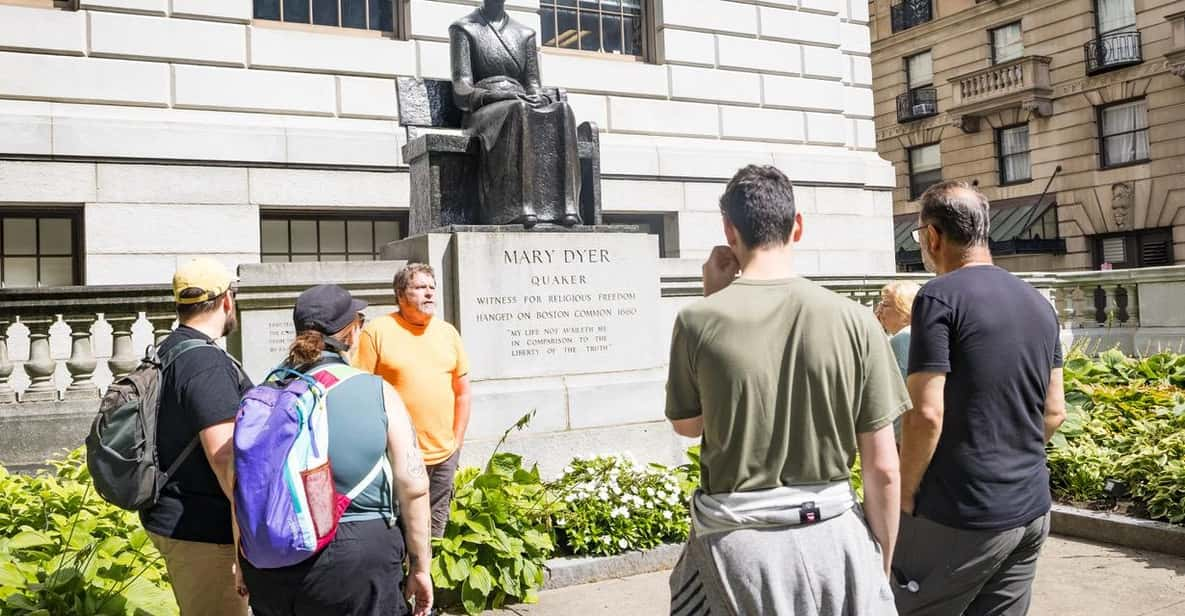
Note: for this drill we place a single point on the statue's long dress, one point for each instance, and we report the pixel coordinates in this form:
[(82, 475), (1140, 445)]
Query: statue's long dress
[(528, 161)]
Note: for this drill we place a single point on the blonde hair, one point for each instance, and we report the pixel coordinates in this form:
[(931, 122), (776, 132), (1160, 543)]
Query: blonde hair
[(902, 293)]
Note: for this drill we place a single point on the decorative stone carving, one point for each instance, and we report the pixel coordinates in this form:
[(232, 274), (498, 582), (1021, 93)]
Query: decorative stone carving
[(1043, 108), (966, 123), (1122, 199)]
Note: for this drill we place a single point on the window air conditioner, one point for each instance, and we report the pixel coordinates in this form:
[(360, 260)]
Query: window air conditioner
[(923, 109)]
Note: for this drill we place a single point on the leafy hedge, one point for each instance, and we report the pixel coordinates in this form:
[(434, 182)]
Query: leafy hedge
[(66, 552), (1123, 441)]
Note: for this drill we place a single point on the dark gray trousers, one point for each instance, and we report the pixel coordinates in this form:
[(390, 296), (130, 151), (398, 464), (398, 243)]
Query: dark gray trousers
[(440, 491), (968, 572)]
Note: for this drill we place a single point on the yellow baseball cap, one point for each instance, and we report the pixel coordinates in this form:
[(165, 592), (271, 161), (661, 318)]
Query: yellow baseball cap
[(204, 274)]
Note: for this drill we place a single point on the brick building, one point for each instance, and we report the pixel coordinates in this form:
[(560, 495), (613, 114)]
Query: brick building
[(1004, 92)]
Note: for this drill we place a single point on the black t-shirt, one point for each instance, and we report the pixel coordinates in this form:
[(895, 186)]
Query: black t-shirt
[(996, 338), (200, 389)]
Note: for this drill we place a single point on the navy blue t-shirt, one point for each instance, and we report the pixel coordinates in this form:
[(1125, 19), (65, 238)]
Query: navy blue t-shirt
[(996, 339)]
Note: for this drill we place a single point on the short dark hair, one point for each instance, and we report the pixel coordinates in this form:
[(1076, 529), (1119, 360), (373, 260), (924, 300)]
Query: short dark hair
[(404, 276), (759, 202), (958, 211), (186, 312)]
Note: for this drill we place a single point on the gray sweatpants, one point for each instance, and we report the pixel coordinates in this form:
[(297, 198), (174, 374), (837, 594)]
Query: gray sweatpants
[(833, 568), (968, 572)]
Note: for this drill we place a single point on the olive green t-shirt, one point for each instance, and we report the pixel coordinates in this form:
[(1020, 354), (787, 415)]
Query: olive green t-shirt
[(785, 374)]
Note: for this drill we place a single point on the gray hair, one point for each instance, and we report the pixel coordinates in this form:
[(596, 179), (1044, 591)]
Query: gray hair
[(958, 211)]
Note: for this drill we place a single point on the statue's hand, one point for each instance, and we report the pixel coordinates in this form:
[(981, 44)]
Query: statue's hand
[(494, 96), (535, 100)]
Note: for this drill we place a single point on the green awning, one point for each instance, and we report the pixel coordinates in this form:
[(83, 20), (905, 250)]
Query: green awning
[(1010, 218)]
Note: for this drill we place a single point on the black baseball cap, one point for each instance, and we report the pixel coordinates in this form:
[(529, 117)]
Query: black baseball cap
[(326, 308)]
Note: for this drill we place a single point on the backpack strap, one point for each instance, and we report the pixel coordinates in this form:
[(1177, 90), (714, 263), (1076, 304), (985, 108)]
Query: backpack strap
[(167, 360), (180, 349), (382, 466)]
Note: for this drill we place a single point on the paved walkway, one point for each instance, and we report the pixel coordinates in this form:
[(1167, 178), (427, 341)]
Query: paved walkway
[(1075, 578)]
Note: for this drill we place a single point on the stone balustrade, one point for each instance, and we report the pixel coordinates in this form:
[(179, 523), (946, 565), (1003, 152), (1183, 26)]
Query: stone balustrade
[(49, 349), (67, 344), (1023, 82)]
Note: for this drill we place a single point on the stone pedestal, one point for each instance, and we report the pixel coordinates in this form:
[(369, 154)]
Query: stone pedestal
[(268, 291), (566, 323)]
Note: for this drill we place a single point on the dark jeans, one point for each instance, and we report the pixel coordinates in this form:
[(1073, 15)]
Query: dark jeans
[(968, 572), (359, 573), (440, 491)]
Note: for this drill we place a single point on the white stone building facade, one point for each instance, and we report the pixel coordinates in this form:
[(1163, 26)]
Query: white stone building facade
[(137, 132)]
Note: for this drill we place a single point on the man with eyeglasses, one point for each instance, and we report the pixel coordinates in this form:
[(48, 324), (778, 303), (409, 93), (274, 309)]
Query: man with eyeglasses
[(985, 378), (199, 397)]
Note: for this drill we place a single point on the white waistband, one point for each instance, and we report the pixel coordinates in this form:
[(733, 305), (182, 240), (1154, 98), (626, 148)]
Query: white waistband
[(782, 506)]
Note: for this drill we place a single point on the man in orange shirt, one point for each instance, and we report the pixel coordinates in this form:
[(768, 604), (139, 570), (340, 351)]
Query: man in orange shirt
[(422, 357)]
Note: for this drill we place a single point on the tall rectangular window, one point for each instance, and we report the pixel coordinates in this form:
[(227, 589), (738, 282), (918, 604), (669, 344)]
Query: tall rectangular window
[(378, 15), (603, 26), (297, 237), (919, 70), (925, 168), (1123, 133), (1115, 16), (1007, 43), (39, 249), (1015, 165)]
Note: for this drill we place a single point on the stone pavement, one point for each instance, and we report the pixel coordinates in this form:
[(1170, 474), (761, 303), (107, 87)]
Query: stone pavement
[(1074, 578)]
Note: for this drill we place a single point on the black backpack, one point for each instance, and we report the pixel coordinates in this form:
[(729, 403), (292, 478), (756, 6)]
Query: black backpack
[(121, 447)]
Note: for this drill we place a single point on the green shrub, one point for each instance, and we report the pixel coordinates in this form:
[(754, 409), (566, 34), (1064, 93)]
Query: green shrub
[(498, 535), (612, 505), (1125, 426), (66, 552)]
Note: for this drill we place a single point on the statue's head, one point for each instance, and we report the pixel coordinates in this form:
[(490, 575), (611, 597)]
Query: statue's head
[(493, 6)]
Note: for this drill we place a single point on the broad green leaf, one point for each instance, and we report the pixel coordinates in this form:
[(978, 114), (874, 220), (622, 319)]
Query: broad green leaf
[(29, 539), (480, 578), (472, 599)]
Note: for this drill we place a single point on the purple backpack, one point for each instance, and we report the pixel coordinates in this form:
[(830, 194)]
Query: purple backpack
[(286, 505)]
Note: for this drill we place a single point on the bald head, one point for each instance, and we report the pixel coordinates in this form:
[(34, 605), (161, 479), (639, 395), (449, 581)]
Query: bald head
[(958, 211)]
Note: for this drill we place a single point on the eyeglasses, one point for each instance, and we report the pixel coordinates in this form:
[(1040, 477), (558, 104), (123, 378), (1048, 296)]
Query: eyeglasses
[(917, 235)]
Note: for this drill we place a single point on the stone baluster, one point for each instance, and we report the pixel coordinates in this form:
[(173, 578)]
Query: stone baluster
[(82, 362), (1122, 316), (7, 395), (124, 358), (1063, 303), (1133, 305), (1112, 309), (162, 326), (1101, 301), (41, 365), (1082, 307)]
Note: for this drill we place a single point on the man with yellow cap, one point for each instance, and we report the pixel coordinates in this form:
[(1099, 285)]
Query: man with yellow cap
[(199, 396)]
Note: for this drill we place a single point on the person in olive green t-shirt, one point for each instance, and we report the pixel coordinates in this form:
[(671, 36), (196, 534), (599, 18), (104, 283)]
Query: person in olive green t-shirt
[(784, 374), (785, 381)]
